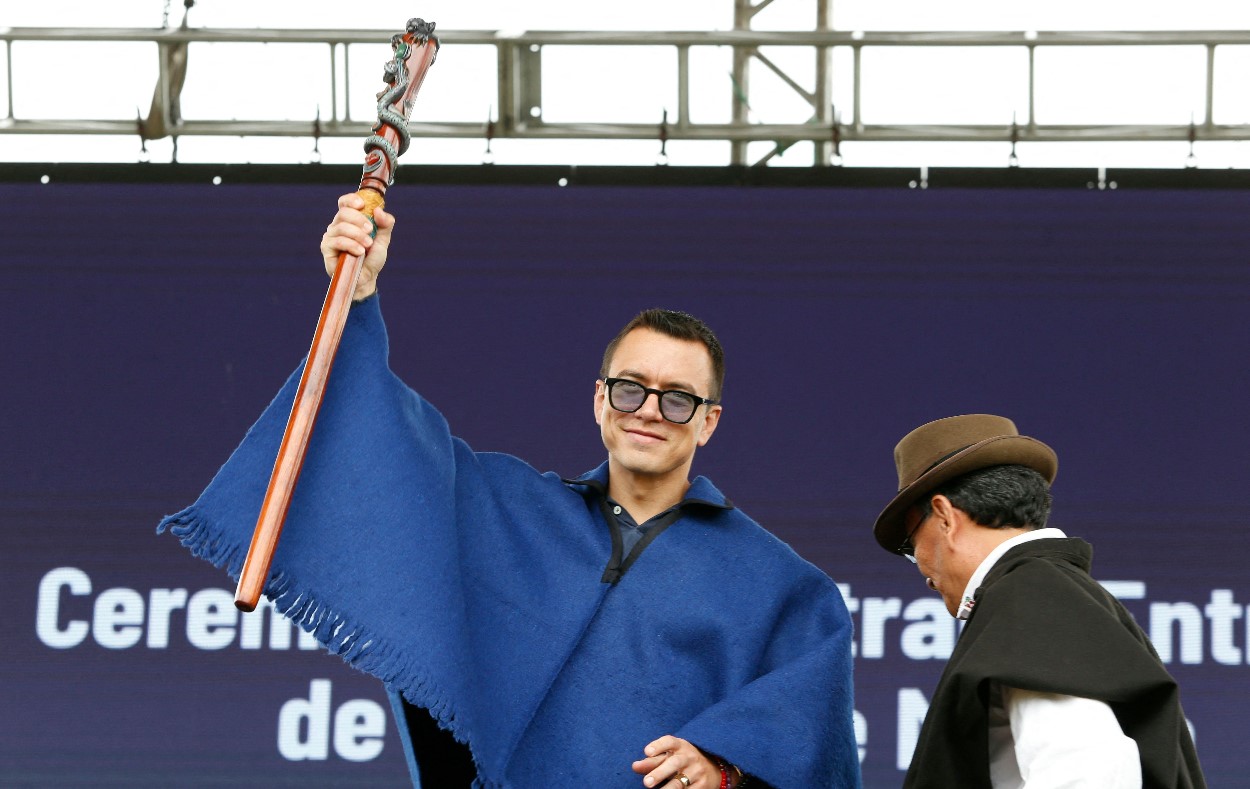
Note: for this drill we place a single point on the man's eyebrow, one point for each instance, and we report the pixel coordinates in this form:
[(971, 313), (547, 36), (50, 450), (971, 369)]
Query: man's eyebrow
[(682, 385)]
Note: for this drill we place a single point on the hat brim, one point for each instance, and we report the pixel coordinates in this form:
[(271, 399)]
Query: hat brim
[(890, 529)]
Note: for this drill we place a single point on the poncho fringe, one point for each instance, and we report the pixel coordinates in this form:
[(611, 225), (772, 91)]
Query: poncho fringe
[(360, 649)]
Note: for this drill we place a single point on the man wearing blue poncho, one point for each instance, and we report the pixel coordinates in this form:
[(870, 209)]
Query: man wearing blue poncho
[(626, 628)]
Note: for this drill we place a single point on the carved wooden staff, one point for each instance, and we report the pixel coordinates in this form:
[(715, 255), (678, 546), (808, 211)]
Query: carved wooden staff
[(404, 75)]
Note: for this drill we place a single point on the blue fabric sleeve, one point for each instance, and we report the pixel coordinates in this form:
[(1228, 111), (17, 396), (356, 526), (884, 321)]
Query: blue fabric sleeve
[(402, 547)]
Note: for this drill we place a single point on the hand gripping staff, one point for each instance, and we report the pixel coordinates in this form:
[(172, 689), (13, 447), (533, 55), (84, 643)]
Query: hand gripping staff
[(404, 74)]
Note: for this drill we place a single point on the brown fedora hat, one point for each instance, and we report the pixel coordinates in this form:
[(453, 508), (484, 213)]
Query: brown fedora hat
[(935, 453)]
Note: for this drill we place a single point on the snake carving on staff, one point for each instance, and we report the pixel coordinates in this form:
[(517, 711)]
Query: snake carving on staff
[(396, 76)]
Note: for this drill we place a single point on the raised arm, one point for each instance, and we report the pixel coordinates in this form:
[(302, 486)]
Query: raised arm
[(413, 55)]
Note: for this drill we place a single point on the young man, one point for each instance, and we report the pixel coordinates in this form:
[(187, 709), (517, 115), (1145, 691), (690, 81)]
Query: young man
[(626, 628), (1052, 682)]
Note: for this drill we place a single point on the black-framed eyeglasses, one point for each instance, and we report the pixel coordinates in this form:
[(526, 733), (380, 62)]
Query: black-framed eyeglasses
[(675, 405), (907, 550)]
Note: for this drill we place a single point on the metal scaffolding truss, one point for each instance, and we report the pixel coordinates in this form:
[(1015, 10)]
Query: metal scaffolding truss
[(519, 94)]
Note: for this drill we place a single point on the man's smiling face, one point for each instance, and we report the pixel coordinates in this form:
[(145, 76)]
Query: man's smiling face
[(644, 443)]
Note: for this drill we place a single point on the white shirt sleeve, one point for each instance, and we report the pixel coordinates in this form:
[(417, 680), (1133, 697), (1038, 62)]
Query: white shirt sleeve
[(1068, 742)]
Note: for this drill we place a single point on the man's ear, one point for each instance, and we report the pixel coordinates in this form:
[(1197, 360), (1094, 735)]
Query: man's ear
[(951, 521), (600, 393), (710, 420)]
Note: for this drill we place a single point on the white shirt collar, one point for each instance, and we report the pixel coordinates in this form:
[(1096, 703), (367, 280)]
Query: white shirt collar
[(983, 569)]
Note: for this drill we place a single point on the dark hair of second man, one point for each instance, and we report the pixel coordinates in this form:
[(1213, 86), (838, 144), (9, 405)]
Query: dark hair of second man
[(1000, 497)]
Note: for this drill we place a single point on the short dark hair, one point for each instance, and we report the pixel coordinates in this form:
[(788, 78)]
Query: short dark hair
[(682, 326), (999, 497)]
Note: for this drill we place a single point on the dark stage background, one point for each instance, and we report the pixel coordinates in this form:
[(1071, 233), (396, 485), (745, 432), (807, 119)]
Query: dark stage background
[(146, 325)]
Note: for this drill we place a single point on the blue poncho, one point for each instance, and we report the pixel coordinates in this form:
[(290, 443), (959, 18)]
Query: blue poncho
[(474, 586)]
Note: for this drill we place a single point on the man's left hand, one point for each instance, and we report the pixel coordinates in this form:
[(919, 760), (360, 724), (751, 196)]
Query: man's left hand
[(669, 758)]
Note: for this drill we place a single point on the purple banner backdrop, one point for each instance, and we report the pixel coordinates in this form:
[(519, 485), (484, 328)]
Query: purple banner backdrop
[(146, 326)]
